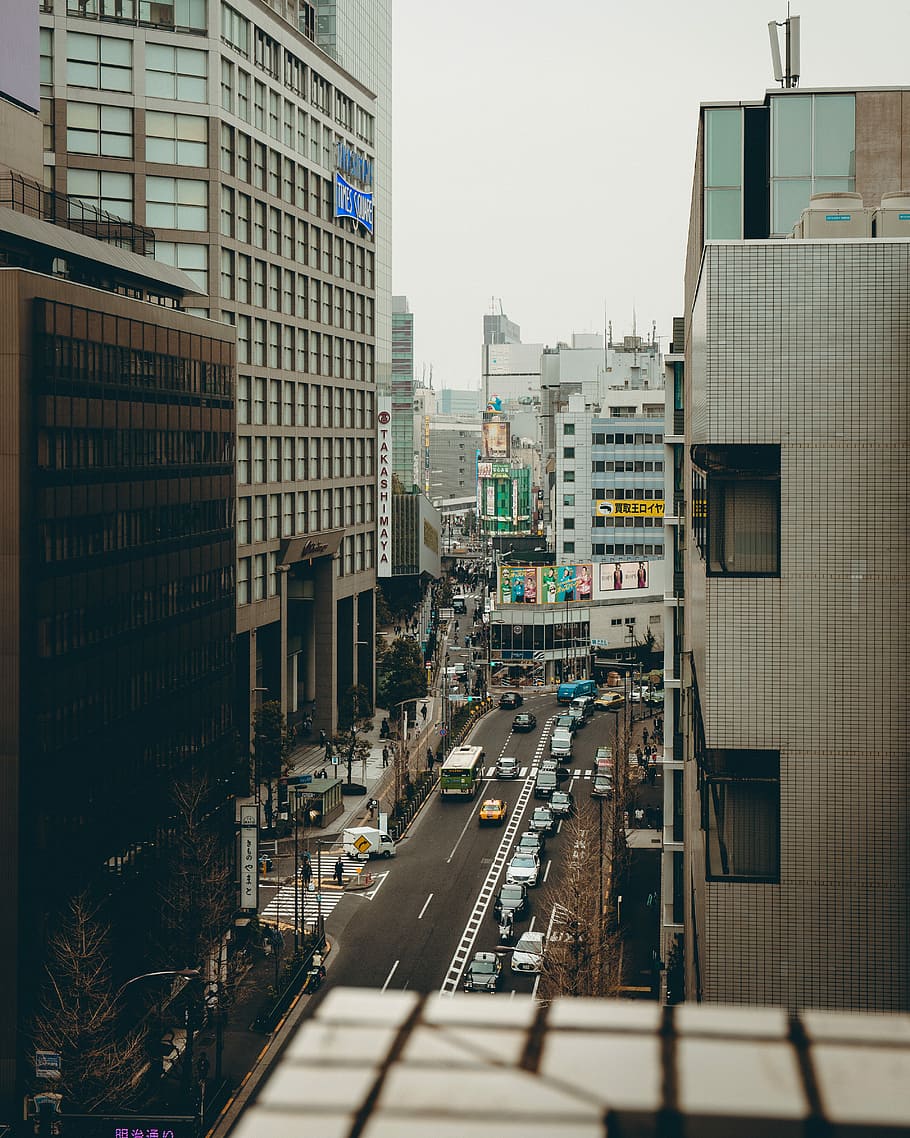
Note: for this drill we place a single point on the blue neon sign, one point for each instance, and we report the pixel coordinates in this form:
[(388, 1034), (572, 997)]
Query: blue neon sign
[(353, 203)]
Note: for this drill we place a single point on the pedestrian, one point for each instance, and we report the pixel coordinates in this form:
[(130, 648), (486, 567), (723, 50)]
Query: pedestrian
[(429, 759), (644, 737), (306, 870), (652, 774), (639, 818), (385, 756), (639, 755), (339, 871), (423, 712), (322, 738)]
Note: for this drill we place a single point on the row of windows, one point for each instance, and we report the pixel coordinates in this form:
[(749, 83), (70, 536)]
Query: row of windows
[(91, 448), (182, 15), (63, 539), (252, 221), (639, 439), (267, 344), (298, 459), (101, 705), (107, 364), (636, 467), (105, 63), (607, 550), (268, 286), (539, 636), (267, 56), (633, 493), (614, 523), (298, 404), (266, 517), (69, 629)]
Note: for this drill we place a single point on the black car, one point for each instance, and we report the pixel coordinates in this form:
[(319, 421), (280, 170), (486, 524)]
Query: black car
[(511, 897), (545, 784), (511, 699), (524, 721), (482, 974), (570, 722)]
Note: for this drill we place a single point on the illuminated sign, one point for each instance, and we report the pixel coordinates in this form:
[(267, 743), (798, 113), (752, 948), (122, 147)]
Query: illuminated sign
[(384, 443), (354, 165), (626, 508), (353, 203), (494, 470), (495, 436)]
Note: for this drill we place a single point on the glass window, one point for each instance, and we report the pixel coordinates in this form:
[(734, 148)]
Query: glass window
[(791, 136), (180, 140), (93, 129), (176, 203), (789, 198), (175, 73), (105, 189), (192, 259), (723, 146), (723, 215), (834, 136), (100, 62)]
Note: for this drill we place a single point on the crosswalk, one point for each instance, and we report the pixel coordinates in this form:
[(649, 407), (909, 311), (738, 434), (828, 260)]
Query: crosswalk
[(525, 772), (282, 906)]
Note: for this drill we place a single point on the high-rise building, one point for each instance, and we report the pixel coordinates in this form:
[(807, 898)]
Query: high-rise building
[(261, 161), (403, 454), (794, 731), (510, 375), (119, 575)]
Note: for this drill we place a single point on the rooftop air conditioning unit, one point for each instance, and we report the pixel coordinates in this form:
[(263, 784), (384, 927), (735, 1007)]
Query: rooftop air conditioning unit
[(892, 218), (833, 215)]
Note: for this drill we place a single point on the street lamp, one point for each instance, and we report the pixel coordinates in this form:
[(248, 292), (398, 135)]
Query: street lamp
[(190, 975)]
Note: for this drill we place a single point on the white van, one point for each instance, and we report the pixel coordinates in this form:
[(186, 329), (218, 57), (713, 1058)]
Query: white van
[(366, 841)]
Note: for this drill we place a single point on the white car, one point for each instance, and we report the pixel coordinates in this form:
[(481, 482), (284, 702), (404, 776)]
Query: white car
[(528, 953), (523, 869)]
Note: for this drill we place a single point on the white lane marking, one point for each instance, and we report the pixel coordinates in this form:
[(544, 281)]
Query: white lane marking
[(485, 895), (546, 872), (390, 975), (424, 909)]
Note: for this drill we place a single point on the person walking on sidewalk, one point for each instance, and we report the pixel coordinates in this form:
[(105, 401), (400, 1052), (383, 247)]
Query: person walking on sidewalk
[(306, 870), (385, 756), (339, 872)]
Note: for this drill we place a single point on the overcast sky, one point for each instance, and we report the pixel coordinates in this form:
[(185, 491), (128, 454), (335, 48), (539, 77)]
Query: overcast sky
[(543, 151)]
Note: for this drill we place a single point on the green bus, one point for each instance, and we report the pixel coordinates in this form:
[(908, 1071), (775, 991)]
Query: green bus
[(462, 772)]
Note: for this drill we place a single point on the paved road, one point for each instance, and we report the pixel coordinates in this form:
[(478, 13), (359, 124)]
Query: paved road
[(432, 905)]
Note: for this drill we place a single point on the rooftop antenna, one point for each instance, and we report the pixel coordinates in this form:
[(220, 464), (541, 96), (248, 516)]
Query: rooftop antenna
[(789, 77)]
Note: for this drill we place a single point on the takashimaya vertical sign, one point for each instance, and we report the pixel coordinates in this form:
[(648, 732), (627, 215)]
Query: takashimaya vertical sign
[(384, 489)]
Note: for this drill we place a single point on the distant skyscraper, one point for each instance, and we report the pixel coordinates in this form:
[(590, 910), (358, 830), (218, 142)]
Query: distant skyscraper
[(403, 391)]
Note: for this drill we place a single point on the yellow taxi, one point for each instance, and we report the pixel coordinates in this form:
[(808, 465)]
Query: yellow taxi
[(609, 699), (493, 812)]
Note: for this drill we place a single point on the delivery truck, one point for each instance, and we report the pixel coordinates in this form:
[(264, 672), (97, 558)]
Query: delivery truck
[(366, 841)]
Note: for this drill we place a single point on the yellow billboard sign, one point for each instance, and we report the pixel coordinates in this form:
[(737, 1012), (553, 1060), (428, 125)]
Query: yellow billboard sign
[(627, 508)]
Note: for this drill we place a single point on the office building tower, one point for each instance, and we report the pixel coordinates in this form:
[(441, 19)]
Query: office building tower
[(403, 454), (119, 579), (254, 156), (794, 729)]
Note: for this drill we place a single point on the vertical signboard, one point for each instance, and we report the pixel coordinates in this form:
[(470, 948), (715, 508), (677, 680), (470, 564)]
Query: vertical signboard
[(384, 489), (247, 857)]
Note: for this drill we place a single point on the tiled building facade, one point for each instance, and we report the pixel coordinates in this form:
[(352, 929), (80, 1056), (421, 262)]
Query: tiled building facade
[(795, 625)]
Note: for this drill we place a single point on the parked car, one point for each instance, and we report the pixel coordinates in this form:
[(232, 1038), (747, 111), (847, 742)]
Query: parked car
[(493, 812), (511, 699), (511, 897), (561, 803), (542, 819), (523, 869), (483, 973), (524, 721), (528, 953), (507, 767)]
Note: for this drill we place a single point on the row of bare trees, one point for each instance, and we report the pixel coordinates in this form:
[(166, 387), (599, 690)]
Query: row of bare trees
[(583, 950)]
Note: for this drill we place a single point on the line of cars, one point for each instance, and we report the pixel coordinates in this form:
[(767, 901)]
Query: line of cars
[(523, 872)]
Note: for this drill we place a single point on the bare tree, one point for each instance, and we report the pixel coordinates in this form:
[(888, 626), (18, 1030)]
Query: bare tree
[(582, 956), (197, 888), (79, 1016)]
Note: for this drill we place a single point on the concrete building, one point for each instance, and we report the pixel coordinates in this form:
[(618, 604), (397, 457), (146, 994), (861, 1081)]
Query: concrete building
[(454, 442), (117, 529), (262, 162), (794, 724), (455, 401), (510, 375)]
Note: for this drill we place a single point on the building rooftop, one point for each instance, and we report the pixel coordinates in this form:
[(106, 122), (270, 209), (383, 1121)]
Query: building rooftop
[(398, 1065)]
